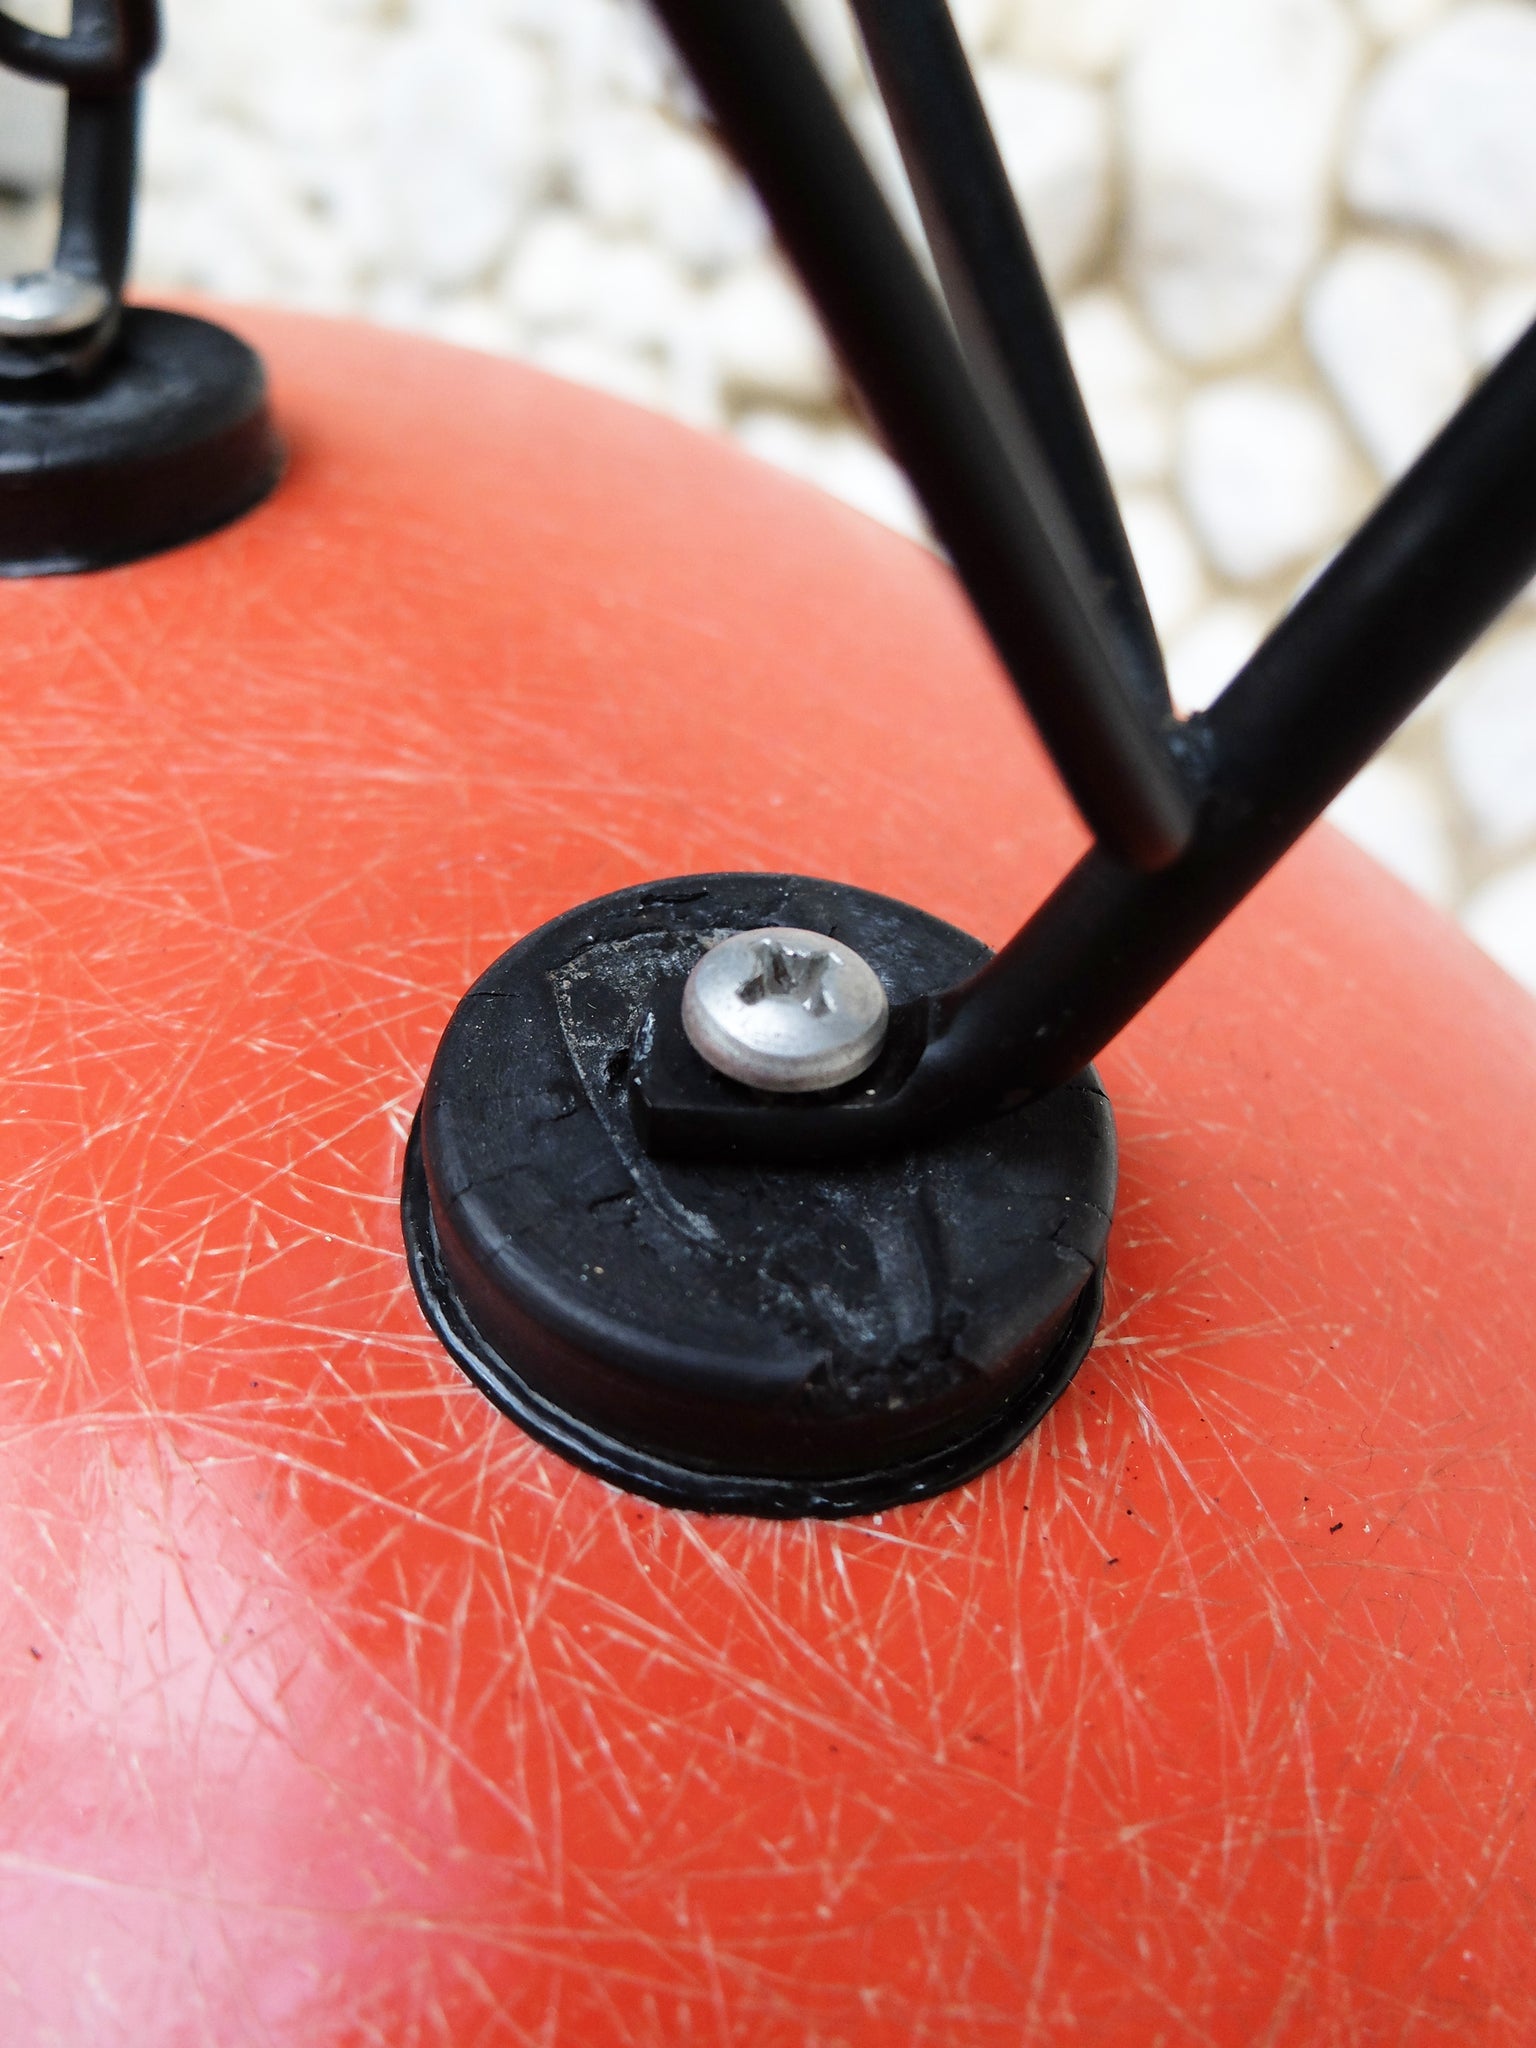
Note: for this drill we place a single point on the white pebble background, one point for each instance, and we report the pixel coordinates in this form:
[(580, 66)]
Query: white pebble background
[(1286, 236)]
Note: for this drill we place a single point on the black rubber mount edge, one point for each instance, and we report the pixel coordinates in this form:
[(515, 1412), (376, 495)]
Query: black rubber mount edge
[(528, 1118), (170, 441), (687, 1486)]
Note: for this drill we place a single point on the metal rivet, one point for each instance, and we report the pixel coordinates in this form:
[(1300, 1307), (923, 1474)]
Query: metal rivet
[(47, 302), (788, 1011)]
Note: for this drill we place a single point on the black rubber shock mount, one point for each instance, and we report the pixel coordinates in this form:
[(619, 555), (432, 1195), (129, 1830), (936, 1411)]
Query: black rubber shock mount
[(769, 1340), (169, 440)]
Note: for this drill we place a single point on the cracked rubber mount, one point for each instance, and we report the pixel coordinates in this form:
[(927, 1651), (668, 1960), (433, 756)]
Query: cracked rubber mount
[(759, 1340)]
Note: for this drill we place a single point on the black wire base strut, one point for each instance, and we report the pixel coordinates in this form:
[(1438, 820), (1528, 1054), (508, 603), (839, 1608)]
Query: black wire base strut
[(984, 414), (723, 1278)]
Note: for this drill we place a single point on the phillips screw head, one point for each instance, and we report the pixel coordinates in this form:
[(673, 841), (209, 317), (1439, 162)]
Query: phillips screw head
[(786, 1011)]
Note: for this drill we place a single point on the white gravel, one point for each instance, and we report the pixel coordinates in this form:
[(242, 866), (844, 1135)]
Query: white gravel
[(1264, 474), (1393, 810), (1230, 117), (1286, 235), (1203, 659), (1056, 141), (1490, 732), (1501, 916), (1444, 138), (1131, 391), (1387, 326), (1166, 557)]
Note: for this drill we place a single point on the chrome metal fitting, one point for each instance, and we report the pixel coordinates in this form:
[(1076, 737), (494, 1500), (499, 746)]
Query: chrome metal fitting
[(41, 303)]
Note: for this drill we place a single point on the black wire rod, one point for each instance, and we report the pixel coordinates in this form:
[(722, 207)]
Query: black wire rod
[(1005, 525), (1448, 547), (998, 299), (1434, 565), (1444, 552), (110, 44)]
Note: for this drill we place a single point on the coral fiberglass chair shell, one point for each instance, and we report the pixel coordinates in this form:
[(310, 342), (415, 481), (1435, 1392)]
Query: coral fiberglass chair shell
[(337, 1708)]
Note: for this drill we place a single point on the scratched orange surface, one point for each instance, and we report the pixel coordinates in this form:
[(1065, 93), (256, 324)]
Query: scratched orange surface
[(334, 1711)]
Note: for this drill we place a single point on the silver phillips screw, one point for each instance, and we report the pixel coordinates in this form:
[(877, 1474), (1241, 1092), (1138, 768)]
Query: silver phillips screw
[(784, 1010)]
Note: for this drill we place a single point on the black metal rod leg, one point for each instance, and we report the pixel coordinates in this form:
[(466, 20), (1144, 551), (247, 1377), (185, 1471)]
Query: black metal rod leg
[(999, 301), (1439, 559), (1011, 539)]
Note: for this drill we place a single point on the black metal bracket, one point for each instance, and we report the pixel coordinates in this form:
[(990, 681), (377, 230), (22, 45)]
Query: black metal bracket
[(100, 63), (977, 400)]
